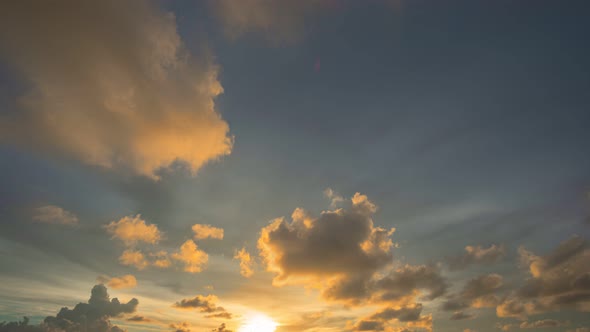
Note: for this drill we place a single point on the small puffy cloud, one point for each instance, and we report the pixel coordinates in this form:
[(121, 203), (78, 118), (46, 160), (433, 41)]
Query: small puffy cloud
[(126, 281), (477, 255), (132, 230), (333, 196), (207, 231), (180, 327), (193, 258), (127, 94), (134, 258), (246, 262), (52, 214), (221, 328), (559, 280)]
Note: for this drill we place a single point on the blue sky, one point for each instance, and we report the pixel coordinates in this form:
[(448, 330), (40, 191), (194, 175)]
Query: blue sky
[(464, 122)]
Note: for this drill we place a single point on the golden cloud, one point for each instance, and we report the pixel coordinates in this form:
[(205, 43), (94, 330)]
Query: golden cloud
[(134, 258), (51, 214), (207, 231), (126, 281), (124, 94), (246, 262), (192, 257), (131, 230)]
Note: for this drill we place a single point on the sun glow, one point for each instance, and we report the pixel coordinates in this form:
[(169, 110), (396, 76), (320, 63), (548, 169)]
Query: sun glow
[(259, 323)]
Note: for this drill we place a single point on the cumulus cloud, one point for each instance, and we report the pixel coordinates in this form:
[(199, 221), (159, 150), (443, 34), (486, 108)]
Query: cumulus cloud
[(93, 316), (126, 281), (134, 258), (139, 319), (193, 258), (477, 255), (278, 21), (350, 259), (221, 328), (52, 214), (126, 94), (246, 262), (559, 280), (207, 231), (205, 304), (132, 230)]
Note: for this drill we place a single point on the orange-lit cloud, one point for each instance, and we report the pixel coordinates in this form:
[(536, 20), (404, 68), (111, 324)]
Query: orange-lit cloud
[(134, 258), (191, 256), (126, 281), (246, 262), (477, 255), (51, 214), (207, 231), (131, 230), (161, 259), (559, 280), (126, 94)]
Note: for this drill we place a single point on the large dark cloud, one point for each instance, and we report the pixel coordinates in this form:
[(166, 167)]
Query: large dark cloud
[(93, 316)]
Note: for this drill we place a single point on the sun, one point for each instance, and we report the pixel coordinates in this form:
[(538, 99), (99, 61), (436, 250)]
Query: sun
[(259, 323)]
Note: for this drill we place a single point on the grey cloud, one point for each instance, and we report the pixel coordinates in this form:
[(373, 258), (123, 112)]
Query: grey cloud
[(477, 292), (460, 315), (205, 304), (558, 280), (93, 316), (477, 255)]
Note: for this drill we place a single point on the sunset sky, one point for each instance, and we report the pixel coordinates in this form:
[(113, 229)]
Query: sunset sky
[(295, 166)]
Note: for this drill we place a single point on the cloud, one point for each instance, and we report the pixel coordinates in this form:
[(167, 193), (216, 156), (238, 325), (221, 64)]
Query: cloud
[(477, 255), (192, 257), (545, 323), (134, 258), (93, 316), (126, 281), (246, 262), (221, 328), (139, 319), (478, 292), (207, 231), (334, 197), (161, 259), (559, 280), (460, 315), (132, 230), (351, 261), (278, 21), (180, 327), (51, 214), (127, 94), (205, 304), (341, 242)]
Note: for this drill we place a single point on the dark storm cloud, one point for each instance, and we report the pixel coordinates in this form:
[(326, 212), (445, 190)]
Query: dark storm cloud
[(93, 316), (477, 255)]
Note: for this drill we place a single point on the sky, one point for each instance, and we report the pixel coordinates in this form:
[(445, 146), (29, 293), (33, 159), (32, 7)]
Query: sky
[(310, 165)]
